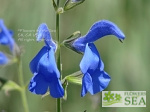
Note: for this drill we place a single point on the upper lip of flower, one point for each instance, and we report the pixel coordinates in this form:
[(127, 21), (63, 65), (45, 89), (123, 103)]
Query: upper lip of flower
[(44, 33), (98, 30)]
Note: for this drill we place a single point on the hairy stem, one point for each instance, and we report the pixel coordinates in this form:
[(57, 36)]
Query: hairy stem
[(58, 104), (23, 92)]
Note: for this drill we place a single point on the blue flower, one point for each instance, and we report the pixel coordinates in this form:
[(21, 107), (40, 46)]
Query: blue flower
[(95, 79), (43, 66), (5, 39), (3, 59), (6, 36)]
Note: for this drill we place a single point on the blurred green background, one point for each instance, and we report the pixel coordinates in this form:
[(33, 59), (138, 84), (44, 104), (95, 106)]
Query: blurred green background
[(128, 63)]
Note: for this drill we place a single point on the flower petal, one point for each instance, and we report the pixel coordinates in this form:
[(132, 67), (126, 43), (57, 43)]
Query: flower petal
[(38, 84), (95, 82), (47, 65), (6, 36), (33, 64), (44, 33), (3, 59), (100, 81), (96, 53), (86, 84), (91, 59), (56, 89)]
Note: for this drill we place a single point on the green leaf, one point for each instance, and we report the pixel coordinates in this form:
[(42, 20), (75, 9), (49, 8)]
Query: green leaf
[(72, 3), (8, 85)]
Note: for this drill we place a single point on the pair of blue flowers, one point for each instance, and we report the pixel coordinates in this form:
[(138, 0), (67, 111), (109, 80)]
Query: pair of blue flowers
[(43, 66), (46, 74), (6, 40)]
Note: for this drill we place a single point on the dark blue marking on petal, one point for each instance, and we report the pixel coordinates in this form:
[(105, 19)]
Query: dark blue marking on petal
[(38, 85)]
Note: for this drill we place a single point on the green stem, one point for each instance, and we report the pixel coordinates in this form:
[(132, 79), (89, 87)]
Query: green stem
[(58, 40), (23, 92), (58, 104)]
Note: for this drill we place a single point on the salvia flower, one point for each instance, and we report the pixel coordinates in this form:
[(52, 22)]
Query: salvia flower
[(95, 79), (3, 59), (43, 66), (6, 36)]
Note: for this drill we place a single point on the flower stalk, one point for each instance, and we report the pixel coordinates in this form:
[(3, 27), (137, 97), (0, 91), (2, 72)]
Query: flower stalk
[(22, 92)]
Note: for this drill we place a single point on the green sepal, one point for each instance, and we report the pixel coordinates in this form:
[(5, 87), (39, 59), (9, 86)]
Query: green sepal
[(8, 85), (75, 35), (46, 94), (75, 78), (72, 3), (69, 41), (65, 85), (54, 5)]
